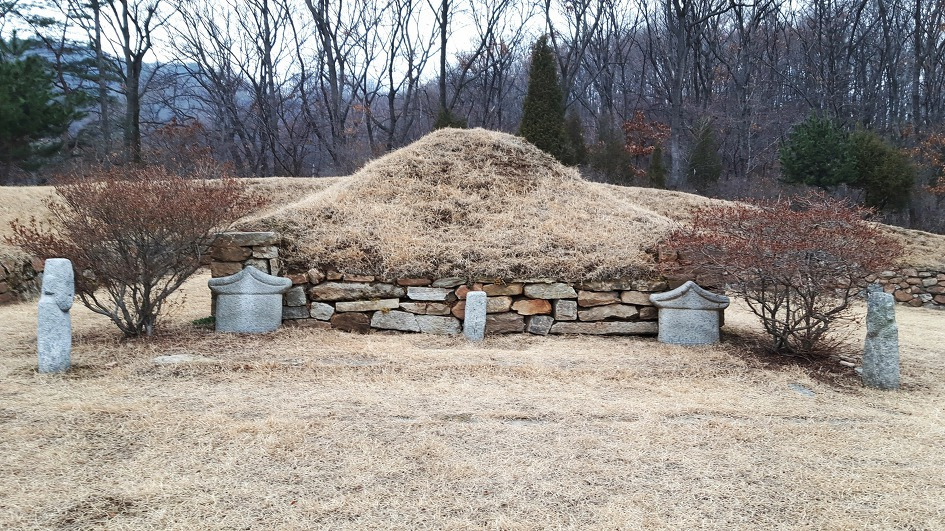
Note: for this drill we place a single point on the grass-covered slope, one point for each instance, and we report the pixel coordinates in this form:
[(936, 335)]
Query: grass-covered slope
[(469, 203)]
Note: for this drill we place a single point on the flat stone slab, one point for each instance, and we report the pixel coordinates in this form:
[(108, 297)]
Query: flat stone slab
[(504, 323), (173, 359), (450, 282), (367, 306), (532, 306), (395, 320), (599, 313), (433, 324), (353, 291), (246, 239), (418, 293), (606, 328), (587, 299), (426, 308), (351, 322), (557, 290)]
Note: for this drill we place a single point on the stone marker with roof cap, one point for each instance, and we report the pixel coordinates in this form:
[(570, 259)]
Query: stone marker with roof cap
[(881, 351), (54, 324), (689, 315), (249, 301), (474, 322)]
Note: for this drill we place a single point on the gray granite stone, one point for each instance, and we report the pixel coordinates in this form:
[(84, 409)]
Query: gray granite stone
[(881, 351), (599, 313), (426, 308), (689, 315), (354, 291), (505, 323), (295, 296), (474, 323), (294, 312), (367, 306), (419, 293), (566, 310), (322, 311), (395, 320), (556, 290), (249, 301), (54, 324), (450, 282), (540, 324), (432, 324)]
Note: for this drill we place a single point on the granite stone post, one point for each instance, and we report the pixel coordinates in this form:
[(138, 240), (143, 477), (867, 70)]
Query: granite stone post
[(54, 324), (881, 351), (474, 324)]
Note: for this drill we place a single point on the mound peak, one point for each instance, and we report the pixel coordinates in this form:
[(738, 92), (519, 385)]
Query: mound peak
[(471, 203)]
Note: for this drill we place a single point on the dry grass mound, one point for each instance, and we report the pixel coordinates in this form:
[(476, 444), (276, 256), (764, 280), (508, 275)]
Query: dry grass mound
[(471, 203)]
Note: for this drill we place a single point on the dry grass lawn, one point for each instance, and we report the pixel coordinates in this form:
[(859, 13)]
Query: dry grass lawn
[(305, 429)]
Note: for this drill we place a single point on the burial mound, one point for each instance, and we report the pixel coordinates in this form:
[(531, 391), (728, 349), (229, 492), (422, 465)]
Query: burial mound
[(469, 203)]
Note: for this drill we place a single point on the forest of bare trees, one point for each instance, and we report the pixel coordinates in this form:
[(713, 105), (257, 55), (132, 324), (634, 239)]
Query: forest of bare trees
[(318, 87)]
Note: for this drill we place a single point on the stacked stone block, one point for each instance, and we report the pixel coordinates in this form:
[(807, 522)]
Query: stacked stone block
[(915, 287), (359, 303), (20, 279)]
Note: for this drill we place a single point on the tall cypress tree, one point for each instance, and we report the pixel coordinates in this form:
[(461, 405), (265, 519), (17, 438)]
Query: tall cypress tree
[(543, 110)]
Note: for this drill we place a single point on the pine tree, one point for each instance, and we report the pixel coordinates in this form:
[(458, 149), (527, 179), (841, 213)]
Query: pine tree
[(884, 173), (543, 110), (32, 114), (705, 165), (816, 153)]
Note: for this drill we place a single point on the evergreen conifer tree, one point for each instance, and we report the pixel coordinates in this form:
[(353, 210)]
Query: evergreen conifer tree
[(884, 173), (543, 109), (32, 114), (816, 153)]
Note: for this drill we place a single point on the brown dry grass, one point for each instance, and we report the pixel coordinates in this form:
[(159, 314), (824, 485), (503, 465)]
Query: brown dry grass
[(472, 203), (303, 429)]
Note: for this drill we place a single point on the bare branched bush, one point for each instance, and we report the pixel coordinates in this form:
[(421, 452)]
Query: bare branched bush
[(134, 235), (798, 263)]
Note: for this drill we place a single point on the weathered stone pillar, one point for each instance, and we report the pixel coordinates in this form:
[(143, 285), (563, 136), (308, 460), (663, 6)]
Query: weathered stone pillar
[(54, 324), (881, 350), (474, 324)]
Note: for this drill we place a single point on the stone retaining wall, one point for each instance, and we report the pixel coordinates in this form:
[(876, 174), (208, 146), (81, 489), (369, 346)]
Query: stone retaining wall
[(360, 303), (332, 299), (915, 287), (437, 306), (20, 279)]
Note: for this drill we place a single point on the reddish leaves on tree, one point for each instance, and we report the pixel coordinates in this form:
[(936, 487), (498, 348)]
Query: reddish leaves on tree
[(134, 235), (797, 262), (932, 151), (642, 137)]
